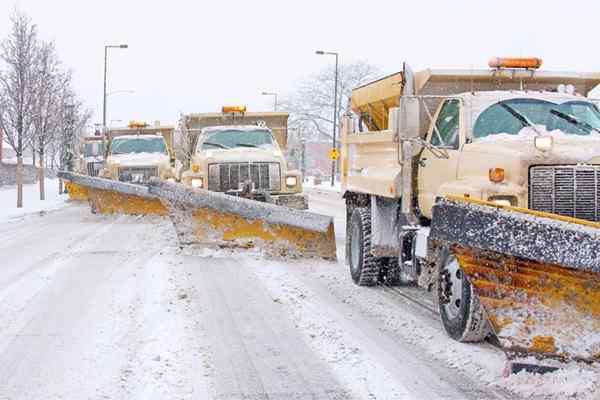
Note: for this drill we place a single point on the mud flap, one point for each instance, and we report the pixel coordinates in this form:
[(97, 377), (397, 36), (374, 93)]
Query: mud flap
[(211, 218), (537, 275)]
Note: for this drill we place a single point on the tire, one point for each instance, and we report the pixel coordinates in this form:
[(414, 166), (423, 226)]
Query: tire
[(461, 312), (364, 268)]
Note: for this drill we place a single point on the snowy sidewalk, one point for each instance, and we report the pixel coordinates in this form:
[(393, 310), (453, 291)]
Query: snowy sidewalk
[(31, 200)]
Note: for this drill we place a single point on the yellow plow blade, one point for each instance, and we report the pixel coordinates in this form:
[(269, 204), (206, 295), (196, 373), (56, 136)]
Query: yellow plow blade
[(210, 218), (537, 275), (205, 217), (76, 192)]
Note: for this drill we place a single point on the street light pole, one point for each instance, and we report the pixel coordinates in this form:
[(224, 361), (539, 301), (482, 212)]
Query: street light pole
[(271, 94), (121, 46), (335, 104)]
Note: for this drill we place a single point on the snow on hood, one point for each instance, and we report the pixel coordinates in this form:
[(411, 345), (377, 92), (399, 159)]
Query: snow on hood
[(567, 147), (133, 159), (243, 154)]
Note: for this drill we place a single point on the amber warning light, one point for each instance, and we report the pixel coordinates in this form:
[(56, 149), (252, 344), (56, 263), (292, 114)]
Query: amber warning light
[(514, 62), (137, 124), (233, 109)]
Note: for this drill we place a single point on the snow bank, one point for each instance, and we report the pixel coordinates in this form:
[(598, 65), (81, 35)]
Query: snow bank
[(324, 185), (31, 200)]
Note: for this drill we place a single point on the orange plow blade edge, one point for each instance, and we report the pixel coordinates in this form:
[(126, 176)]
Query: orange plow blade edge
[(536, 274), (214, 219)]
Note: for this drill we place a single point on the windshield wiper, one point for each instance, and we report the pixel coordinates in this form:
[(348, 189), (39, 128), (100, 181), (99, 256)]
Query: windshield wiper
[(216, 144), (246, 145), (582, 125), (522, 118)]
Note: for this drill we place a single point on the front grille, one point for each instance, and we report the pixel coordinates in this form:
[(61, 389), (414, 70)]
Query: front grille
[(230, 176), (569, 190), (137, 174), (93, 168)]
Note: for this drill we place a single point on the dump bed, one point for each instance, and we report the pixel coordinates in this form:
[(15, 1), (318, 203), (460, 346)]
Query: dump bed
[(373, 101)]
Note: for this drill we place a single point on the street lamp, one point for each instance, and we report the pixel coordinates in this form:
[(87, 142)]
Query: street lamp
[(120, 46), (271, 94), (330, 53)]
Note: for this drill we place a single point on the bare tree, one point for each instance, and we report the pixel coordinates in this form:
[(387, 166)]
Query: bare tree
[(19, 52), (51, 86), (311, 104)]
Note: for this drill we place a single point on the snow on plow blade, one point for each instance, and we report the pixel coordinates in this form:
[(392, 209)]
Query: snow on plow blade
[(536, 274), (112, 197), (212, 218), (205, 217)]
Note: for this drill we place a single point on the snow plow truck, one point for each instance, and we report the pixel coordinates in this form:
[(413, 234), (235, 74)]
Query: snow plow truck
[(482, 187), (242, 154)]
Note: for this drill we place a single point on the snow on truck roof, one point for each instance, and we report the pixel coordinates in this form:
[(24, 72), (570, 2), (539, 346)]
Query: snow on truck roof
[(246, 114), (242, 128), (499, 95), (144, 137)]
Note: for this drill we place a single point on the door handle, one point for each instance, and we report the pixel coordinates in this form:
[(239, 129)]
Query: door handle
[(422, 162)]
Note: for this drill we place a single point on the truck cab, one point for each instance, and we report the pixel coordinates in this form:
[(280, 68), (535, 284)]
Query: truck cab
[(138, 153), (91, 155), (537, 147), (244, 160)]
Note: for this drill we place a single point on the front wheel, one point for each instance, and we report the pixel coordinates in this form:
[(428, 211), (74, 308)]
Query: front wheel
[(461, 312)]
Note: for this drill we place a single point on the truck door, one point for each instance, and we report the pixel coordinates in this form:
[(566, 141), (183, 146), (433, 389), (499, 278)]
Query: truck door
[(434, 171)]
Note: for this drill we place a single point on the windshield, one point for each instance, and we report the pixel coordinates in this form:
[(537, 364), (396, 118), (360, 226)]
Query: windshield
[(498, 118), (232, 138), (138, 145), (93, 149)]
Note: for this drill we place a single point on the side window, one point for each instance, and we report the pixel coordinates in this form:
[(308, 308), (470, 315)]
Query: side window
[(447, 124)]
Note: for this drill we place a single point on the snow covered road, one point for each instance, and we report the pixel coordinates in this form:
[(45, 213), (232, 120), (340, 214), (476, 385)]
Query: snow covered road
[(111, 308)]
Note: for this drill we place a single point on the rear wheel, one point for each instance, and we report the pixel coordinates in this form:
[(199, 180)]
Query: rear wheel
[(461, 312), (364, 268)]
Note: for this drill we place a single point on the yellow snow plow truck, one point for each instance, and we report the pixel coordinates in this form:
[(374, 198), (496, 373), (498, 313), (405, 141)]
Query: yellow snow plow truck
[(483, 187), (200, 215), (139, 152), (242, 154)]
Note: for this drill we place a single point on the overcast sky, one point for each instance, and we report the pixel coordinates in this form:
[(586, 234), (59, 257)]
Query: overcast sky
[(194, 56)]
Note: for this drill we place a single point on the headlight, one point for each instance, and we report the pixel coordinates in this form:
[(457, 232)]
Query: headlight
[(170, 180), (197, 182), (543, 143), (291, 181)]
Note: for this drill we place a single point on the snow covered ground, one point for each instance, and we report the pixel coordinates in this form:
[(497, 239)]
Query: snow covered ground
[(31, 200), (325, 185), (105, 307)]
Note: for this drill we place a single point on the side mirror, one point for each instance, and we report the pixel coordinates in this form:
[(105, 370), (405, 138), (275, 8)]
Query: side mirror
[(172, 160), (409, 117)]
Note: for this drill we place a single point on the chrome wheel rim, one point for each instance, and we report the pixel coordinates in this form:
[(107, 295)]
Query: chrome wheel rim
[(455, 288)]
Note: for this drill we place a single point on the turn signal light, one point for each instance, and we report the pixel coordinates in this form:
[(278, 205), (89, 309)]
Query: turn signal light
[(195, 168), (233, 109), (515, 62), (496, 175)]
